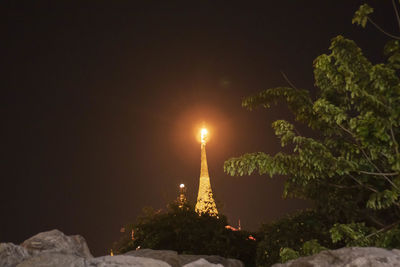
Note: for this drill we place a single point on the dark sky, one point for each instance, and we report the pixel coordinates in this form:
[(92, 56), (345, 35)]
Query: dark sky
[(101, 101)]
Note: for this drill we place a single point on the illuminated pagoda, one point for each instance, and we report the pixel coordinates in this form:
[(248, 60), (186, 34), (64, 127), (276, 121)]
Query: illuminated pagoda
[(205, 202)]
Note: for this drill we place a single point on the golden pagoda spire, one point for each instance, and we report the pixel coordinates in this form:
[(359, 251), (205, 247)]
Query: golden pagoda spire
[(205, 202)]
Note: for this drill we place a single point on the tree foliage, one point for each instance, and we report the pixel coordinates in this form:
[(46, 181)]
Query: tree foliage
[(184, 231), (351, 170), (361, 15), (357, 118), (293, 235)]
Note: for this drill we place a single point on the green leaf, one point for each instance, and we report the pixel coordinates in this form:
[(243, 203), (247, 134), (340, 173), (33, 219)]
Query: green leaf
[(312, 247), (288, 254), (361, 15)]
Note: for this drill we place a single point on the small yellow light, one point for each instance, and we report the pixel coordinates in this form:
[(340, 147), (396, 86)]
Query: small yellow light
[(181, 185)]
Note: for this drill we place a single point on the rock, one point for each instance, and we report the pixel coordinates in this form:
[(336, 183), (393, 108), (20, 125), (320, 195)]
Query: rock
[(124, 260), (56, 241), (233, 263), (11, 255), (175, 260), (47, 259), (53, 248), (202, 263), (186, 259), (354, 257), (169, 256)]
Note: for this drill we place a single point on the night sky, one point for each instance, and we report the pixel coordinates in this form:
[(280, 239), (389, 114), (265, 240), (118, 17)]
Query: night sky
[(101, 102)]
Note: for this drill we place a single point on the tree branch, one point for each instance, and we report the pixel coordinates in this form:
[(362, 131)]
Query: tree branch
[(288, 81), (380, 173), (382, 30), (343, 186), (396, 145), (297, 131), (384, 229), (376, 167), (363, 185), (397, 13), (368, 159), (347, 131), (375, 221)]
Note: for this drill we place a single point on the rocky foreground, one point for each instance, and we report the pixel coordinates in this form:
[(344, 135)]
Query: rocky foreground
[(349, 257), (53, 248)]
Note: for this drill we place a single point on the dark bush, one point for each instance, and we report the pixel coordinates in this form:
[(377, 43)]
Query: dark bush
[(184, 231)]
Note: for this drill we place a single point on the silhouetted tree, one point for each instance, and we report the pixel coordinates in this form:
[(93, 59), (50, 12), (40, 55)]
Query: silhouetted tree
[(184, 231)]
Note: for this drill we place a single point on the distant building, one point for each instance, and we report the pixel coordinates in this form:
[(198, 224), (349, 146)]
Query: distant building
[(239, 228), (233, 228), (182, 195)]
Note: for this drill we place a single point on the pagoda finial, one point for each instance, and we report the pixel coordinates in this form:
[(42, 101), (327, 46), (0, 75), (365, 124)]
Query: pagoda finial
[(203, 134)]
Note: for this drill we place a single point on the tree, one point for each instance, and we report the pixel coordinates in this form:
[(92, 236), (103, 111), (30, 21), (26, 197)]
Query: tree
[(351, 170), (298, 232), (184, 231)]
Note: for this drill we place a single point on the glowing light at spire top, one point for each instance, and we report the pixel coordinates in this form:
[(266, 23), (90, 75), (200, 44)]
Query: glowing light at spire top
[(203, 133)]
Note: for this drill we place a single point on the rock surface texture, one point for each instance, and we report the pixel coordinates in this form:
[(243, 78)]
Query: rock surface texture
[(349, 257), (168, 256), (53, 248), (56, 241), (201, 263), (175, 260), (11, 255)]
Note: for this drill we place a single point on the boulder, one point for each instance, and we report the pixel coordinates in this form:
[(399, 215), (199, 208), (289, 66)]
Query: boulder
[(175, 260), (124, 261), (53, 248), (186, 259), (11, 255), (202, 263), (47, 259), (353, 256), (169, 256), (56, 241)]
